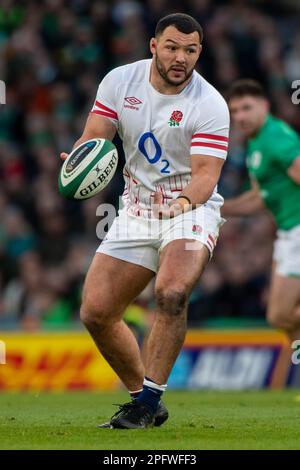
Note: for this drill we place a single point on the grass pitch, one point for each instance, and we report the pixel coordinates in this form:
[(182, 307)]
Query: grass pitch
[(198, 420)]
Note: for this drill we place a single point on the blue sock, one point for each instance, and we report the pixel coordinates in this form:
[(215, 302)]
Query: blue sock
[(135, 394), (151, 394)]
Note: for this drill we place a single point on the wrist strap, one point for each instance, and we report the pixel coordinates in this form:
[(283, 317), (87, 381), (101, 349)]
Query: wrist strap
[(185, 197)]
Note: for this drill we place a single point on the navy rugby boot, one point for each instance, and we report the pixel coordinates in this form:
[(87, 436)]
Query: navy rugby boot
[(160, 416)]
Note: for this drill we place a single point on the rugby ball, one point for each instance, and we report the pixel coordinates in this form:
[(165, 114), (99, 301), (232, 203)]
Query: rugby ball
[(88, 169)]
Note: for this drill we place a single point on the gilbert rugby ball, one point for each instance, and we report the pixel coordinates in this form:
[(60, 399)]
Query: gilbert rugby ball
[(88, 169)]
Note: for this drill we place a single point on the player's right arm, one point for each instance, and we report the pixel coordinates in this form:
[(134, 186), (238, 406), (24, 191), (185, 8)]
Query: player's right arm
[(96, 126), (247, 203), (102, 121)]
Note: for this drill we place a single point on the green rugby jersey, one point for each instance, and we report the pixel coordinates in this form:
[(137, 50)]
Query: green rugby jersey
[(270, 153)]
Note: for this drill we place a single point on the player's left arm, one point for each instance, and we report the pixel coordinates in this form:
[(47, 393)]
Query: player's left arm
[(208, 151), (209, 145), (294, 170), (206, 171)]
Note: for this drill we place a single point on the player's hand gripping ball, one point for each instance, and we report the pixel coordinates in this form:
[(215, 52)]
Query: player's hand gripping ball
[(88, 169)]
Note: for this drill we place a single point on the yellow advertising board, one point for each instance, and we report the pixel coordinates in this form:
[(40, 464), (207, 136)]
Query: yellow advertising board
[(209, 359)]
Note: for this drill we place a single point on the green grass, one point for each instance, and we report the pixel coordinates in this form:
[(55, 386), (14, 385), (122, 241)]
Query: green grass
[(198, 420)]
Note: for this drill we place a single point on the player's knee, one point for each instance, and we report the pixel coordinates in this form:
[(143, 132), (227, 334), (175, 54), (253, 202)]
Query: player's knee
[(171, 300), (93, 312), (91, 316)]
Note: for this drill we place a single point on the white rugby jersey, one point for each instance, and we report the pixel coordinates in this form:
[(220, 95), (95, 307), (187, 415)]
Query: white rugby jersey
[(161, 132)]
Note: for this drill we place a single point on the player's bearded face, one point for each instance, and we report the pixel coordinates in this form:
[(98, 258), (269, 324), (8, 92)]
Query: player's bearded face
[(175, 74)]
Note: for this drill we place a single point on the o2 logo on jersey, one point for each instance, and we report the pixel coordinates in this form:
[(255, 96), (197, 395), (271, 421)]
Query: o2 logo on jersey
[(156, 157)]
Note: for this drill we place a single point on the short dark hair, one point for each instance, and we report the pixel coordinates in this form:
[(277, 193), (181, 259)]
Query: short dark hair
[(184, 23), (246, 87)]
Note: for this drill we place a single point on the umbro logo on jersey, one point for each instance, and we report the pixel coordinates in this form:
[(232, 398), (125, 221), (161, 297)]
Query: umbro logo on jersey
[(133, 102)]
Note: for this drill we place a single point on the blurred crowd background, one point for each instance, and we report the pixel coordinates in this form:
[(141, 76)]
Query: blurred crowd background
[(53, 54)]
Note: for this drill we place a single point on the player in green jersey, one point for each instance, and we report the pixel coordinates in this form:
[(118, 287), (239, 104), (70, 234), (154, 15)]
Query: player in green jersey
[(273, 161)]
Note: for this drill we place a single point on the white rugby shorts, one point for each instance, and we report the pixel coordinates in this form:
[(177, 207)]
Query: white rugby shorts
[(139, 240), (287, 252)]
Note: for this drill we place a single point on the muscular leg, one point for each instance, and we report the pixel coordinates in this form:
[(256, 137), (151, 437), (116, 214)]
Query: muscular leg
[(283, 306), (178, 272), (110, 286)]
